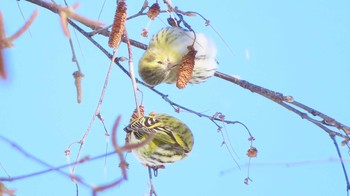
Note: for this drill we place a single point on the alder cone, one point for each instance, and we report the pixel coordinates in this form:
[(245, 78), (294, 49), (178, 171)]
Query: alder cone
[(186, 68)]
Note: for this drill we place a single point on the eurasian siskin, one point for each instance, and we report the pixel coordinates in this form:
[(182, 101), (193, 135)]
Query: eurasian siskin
[(172, 141), (159, 63)]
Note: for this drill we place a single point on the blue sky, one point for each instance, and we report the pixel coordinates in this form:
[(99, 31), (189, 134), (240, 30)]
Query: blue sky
[(297, 48)]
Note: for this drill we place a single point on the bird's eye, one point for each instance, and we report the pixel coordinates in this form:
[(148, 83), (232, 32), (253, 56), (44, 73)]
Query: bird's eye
[(160, 62)]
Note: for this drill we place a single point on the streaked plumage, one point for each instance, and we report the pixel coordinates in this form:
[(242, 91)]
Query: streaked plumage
[(159, 63), (173, 140)]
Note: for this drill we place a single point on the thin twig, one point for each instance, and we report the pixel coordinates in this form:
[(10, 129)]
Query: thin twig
[(288, 164), (342, 163), (132, 73), (100, 117), (97, 111), (39, 161), (140, 12), (207, 23), (21, 177), (123, 164), (24, 18), (152, 190), (3, 169), (74, 57), (326, 119)]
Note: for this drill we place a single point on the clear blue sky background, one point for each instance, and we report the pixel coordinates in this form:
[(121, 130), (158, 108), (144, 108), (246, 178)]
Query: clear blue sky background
[(297, 48)]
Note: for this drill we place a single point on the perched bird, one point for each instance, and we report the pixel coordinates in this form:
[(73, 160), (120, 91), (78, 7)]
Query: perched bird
[(172, 141), (160, 62)]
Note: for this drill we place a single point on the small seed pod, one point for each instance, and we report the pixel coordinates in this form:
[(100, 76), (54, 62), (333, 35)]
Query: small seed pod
[(118, 25), (153, 11), (144, 33), (252, 152), (186, 68)]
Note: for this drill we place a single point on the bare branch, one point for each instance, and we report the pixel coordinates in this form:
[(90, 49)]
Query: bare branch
[(285, 102), (39, 161)]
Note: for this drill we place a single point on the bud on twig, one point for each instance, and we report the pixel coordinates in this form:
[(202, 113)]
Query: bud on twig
[(153, 11)]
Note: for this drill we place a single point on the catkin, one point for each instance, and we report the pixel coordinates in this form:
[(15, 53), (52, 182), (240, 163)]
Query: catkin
[(118, 25), (78, 76), (135, 115), (186, 68)]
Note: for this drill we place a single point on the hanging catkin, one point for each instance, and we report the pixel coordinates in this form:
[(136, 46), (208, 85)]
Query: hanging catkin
[(118, 25), (186, 68)]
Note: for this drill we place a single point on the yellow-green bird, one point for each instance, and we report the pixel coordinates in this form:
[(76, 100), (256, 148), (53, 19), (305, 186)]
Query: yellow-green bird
[(172, 141), (159, 63)]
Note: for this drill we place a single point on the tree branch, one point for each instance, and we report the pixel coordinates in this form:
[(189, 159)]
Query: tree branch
[(286, 101)]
